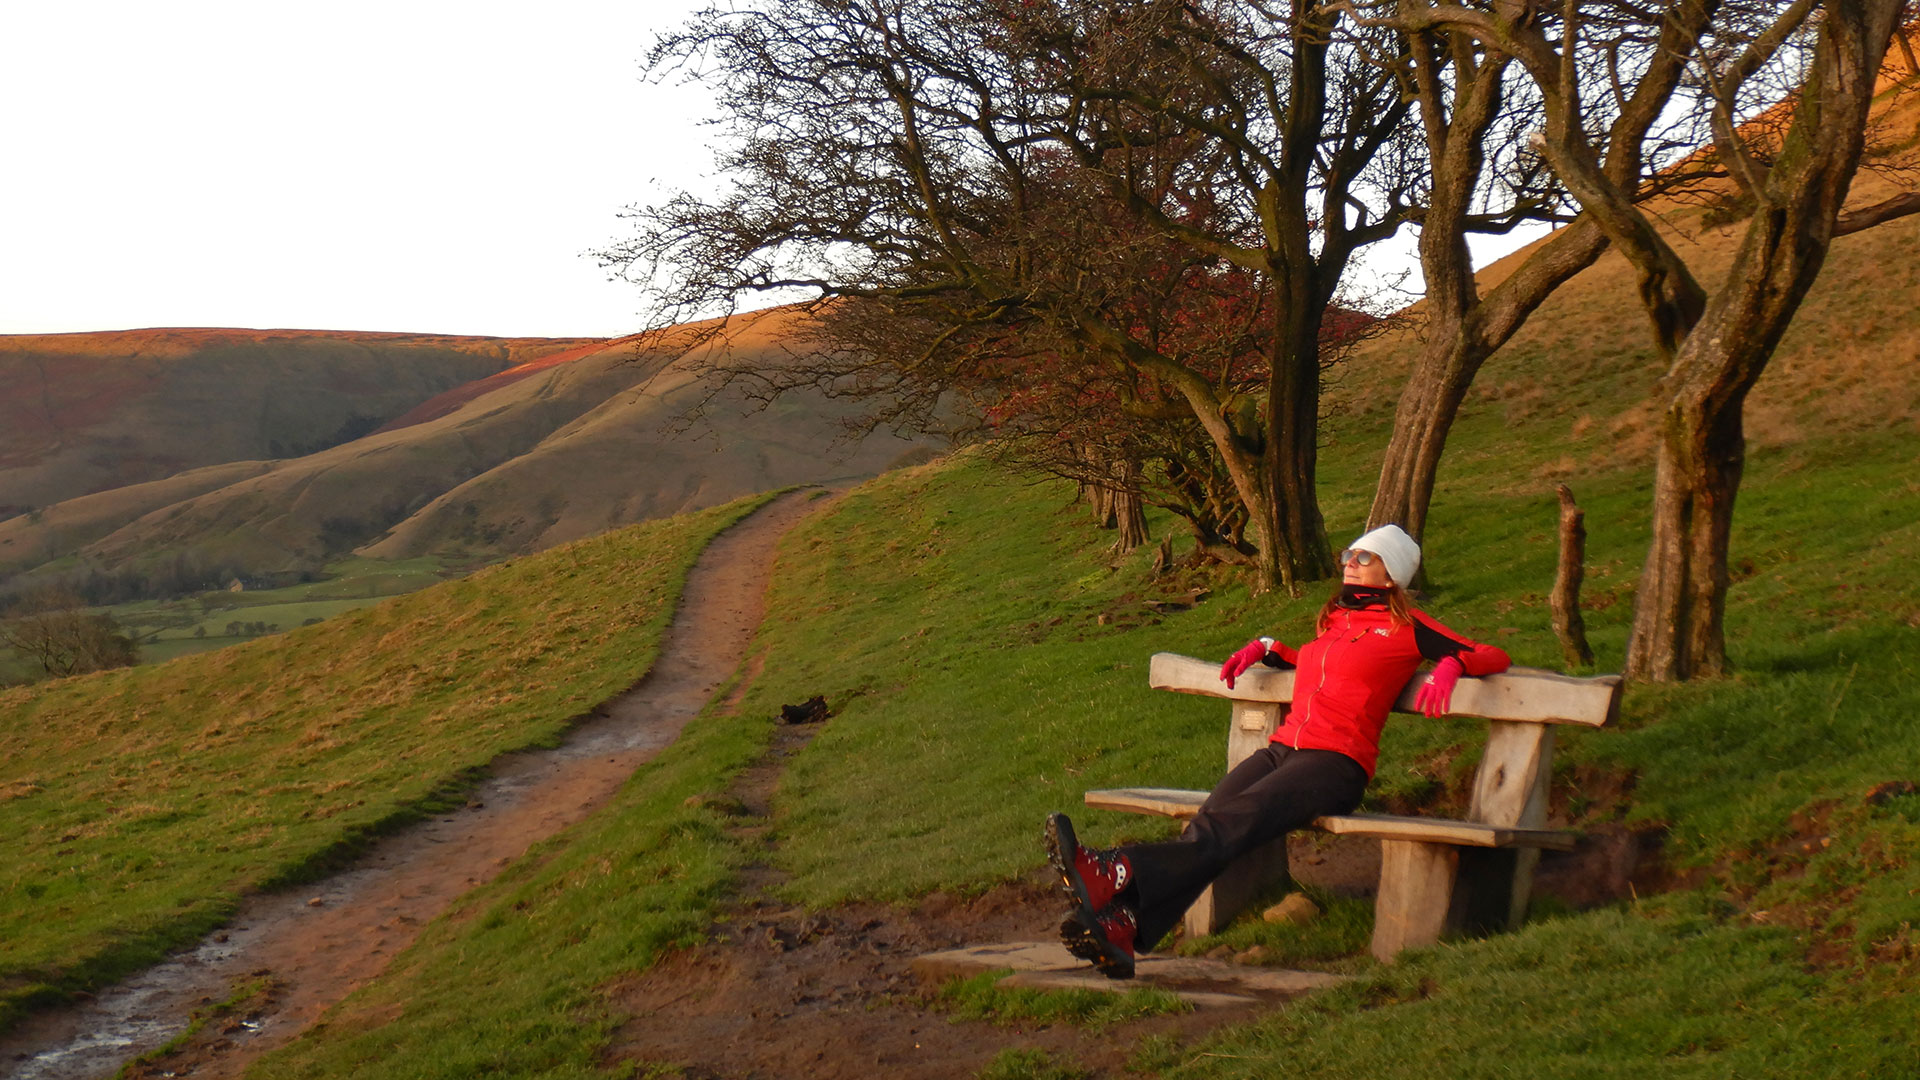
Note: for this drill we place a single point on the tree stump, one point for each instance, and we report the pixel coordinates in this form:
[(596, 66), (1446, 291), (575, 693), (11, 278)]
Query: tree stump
[(1568, 625)]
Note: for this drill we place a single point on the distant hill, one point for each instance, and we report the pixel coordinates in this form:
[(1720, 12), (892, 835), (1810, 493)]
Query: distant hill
[(86, 413), (572, 442)]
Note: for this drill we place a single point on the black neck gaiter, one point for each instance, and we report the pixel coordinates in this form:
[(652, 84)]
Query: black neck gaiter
[(1354, 597)]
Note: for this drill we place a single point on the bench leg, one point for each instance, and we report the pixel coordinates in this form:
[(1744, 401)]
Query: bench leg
[(1257, 872), (1416, 895)]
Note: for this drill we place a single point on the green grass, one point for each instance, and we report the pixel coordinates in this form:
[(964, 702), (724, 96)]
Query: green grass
[(1341, 933), (1029, 1063), (545, 939), (954, 619), (987, 662), (141, 803), (1671, 992)]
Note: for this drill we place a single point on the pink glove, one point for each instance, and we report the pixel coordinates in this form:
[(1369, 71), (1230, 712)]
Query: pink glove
[(1250, 654), (1436, 697)]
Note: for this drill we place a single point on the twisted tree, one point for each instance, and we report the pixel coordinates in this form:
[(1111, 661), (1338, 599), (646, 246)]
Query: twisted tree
[(1785, 88), (1476, 110), (984, 169)]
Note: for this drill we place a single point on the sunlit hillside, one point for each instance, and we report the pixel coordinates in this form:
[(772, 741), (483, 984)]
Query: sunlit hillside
[(84, 413), (572, 442)]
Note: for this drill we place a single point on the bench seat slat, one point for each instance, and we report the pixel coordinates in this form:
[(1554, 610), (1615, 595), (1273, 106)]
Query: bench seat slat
[(1168, 802), (1444, 831), (1184, 803)]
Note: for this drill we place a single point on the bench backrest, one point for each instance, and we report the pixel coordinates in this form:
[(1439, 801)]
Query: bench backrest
[(1520, 706)]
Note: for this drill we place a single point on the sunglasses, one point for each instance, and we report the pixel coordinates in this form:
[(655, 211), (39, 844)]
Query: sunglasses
[(1357, 557)]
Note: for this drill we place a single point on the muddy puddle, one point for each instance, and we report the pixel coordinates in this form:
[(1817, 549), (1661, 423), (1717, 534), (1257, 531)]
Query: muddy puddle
[(316, 944)]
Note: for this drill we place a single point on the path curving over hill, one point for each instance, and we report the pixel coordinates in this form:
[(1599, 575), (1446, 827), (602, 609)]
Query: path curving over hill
[(316, 944)]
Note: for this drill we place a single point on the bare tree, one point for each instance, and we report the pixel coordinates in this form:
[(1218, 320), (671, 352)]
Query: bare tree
[(966, 163), (54, 631), (1786, 88), (1310, 151), (1477, 110)]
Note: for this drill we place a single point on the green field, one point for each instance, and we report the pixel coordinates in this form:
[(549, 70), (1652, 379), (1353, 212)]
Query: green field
[(212, 620), (142, 802), (182, 626), (954, 617), (986, 658)]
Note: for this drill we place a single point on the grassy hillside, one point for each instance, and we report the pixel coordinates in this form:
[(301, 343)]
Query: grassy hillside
[(987, 661), (1584, 365), (625, 456), (50, 533), (142, 802), (549, 451), (82, 413)]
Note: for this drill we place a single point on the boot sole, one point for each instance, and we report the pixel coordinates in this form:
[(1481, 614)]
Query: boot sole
[(1087, 942), (1062, 846)]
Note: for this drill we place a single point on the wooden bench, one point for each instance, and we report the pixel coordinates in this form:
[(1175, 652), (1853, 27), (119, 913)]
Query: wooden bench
[(1437, 876)]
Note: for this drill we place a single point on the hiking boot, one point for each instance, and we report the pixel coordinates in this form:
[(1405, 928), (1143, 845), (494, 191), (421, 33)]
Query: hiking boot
[(1091, 878), (1106, 939)]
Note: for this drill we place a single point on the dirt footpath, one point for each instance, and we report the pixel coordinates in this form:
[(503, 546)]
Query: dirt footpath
[(785, 993), (317, 944)]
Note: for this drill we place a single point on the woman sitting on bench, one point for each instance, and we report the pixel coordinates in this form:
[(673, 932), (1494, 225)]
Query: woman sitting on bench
[(1371, 639)]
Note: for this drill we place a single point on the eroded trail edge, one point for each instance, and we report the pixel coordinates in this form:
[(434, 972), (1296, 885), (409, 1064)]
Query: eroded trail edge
[(316, 944)]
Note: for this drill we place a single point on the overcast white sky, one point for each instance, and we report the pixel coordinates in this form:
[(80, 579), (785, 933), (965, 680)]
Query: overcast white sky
[(400, 165), (410, 165)]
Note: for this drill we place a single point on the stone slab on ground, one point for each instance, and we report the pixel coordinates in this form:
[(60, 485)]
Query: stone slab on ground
[(1050, 966)]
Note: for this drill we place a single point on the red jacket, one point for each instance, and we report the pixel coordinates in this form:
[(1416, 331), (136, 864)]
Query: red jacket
[(1349, 676)]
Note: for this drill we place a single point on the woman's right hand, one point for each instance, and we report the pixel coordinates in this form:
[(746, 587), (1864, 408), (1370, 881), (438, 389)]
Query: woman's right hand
[(1250, 654)]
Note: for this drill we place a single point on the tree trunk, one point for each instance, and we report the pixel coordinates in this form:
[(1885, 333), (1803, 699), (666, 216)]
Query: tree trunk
[(1103, 502), (1421, 422), (1111, 486), (1462, 332), (1163, 556), (1292, 441), (1677, 629), (1131, 518), (1463, 328), (1447, 363), (1568, 624), (1124, 509)]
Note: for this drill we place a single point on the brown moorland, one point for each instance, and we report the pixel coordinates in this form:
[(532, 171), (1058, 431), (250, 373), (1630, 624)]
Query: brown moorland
[(567, 445), (84, 413)]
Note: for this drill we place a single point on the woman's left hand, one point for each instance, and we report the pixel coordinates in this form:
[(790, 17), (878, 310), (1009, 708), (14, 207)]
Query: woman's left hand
[(1436, 697), (1250, 654)]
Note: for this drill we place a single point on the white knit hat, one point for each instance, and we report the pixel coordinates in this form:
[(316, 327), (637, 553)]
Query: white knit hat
[(1399, 551)]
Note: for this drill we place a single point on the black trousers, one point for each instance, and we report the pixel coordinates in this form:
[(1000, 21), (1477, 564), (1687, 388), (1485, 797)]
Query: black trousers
[(1271, 793)]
